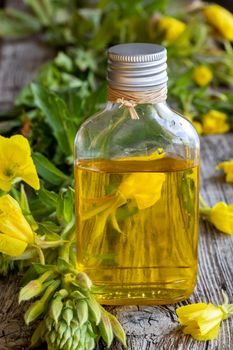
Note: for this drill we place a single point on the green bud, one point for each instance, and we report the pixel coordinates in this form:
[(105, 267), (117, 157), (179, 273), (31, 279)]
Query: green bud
[(65, 337), (56, 308), (53, 336), (89, 344), (78, 295), (67, 315), (94, 310), (34, 311), (105, 329), (84, 281), (63, 293), (62, 328), (38, 334), (74, 325), (82, 311), (118, 329), (31, 290), (69, 344), (49, 323), (69, 304), (76, 336), (39, 306)]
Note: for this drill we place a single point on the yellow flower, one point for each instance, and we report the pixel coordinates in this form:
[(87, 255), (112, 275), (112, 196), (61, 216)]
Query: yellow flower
[(15, 232), (171, 27), (197, 125), (221, 216), (201, 321), (220, 19), (228, 169), (215, 122), (145, 188), (16, 162), (202, 75)]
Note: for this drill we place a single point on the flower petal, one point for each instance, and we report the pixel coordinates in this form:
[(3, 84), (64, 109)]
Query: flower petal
[(11, 246)]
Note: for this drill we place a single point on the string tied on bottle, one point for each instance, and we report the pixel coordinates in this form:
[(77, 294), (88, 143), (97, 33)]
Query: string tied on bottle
[(130, 99)]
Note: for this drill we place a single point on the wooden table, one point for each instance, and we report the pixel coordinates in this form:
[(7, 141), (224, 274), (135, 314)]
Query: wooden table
[(151, 327)]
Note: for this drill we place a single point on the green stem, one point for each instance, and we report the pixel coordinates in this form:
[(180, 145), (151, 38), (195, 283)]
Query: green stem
[(41, 255), (205, 212), (203, 202)]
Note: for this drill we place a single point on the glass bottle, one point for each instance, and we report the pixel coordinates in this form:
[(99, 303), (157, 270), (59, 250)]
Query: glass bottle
[(136, 184)]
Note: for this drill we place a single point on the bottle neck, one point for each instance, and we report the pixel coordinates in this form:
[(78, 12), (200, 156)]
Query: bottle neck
[(131, 99)]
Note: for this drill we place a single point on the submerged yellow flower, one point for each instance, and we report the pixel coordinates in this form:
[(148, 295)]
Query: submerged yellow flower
[(221, 216), (228, 169), (15, 232), (220, 19), (202, 321), (202, 75), (171, 27), (215, 122), (145, 188), (16, 162)]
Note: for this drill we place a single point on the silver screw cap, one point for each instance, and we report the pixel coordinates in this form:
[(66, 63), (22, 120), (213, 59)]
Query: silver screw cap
[(137, 67)]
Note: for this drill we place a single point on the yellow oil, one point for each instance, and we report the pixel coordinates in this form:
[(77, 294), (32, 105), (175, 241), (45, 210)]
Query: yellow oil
[(137, 228)]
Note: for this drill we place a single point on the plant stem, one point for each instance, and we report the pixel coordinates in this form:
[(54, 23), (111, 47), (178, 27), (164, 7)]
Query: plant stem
[(203, 202), (41, 255)]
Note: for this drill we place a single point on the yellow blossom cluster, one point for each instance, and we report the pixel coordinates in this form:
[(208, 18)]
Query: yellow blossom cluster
[(15, 163)]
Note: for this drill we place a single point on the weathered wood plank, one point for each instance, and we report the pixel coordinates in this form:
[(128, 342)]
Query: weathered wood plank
[(19, 61)]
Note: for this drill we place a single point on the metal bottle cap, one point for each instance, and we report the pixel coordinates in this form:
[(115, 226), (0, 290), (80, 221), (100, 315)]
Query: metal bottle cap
[(137, 67)]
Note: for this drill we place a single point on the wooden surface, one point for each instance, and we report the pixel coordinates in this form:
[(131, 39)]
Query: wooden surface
[(147, 328)]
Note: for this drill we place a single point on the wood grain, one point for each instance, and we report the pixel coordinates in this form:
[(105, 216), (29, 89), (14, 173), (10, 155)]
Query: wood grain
[(151, 327), (19, 61)]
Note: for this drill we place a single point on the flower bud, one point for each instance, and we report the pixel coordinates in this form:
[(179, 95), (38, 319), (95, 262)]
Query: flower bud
[(118, 330), (82, 311), (84, 281), (31, 290), (105, 328), (94, 310)]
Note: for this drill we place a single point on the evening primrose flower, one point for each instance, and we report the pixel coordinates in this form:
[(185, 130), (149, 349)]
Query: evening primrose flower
[(144, 188), (16, 162), (202, 321), (228, 169), (202, 75), (171, 27), (221, 216), (221, 19), (215, 122), (15, 232)]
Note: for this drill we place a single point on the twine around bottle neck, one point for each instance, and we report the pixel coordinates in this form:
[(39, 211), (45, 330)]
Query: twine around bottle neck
[(131, 99)]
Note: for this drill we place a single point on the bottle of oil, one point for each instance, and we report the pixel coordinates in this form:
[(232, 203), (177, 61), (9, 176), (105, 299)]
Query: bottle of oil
[(136, 184)]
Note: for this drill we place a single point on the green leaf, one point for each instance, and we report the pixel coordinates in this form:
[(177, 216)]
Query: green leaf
[(68, 208), (47, 170), (63, 266), (42, 9), (15, 23), (49, 198), (64, 62), (57, 116)]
